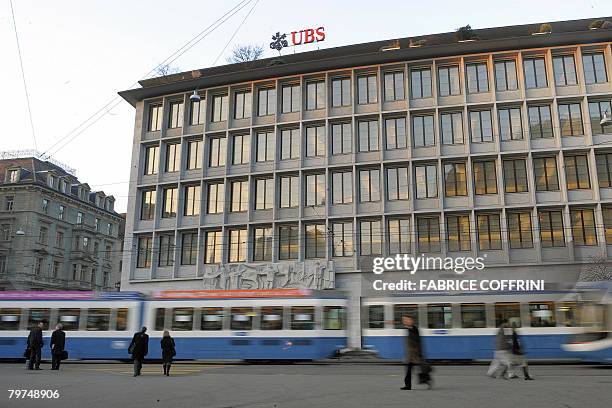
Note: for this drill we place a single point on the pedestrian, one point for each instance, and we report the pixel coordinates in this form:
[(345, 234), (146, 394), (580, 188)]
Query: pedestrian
[(168, 351), (518, 355), (35, 344), (139, 348), (501, 359), (58, 344), (413, 355)]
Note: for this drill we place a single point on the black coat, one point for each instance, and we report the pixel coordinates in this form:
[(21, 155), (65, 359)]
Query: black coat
[(168, 349), (35, 338), (58, 341), (517, 348), (413, 347), (140, 345)]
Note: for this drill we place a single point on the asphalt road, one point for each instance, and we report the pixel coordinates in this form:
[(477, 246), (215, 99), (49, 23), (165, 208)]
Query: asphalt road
[(284, 386)]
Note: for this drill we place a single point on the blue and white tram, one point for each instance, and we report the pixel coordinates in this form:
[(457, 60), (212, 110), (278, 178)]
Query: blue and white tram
[(463, 326), (97, 325)]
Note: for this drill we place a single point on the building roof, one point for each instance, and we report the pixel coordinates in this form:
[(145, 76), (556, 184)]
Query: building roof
[(435, 45)]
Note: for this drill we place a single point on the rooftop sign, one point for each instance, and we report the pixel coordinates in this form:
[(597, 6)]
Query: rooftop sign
[(306, 36)]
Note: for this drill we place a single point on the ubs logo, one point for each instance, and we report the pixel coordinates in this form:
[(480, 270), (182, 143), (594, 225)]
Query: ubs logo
[(306, 36)]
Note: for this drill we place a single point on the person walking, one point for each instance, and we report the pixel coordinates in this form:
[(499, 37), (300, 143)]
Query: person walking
[(501, 359), (168, 351), (58, 344), (35, 344), (518, 355), (139, 348), (413, 355)]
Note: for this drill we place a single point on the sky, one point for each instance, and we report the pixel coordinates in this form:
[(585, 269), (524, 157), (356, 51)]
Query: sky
[(78, 54)]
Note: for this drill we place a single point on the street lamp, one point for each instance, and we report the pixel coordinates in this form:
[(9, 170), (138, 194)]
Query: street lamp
[(194, 97), (606, 120), (20, 232)]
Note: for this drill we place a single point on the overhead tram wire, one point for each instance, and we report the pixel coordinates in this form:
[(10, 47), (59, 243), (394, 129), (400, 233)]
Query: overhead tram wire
[(235, 32)]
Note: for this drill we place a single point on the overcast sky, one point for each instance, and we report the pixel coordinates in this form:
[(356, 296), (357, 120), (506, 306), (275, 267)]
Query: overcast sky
[(78, 54)]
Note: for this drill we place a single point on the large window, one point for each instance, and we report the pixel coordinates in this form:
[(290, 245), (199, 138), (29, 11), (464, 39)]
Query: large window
[(302, 318), (288, 242), (147, 206), (540, 122), (535, 73), (151, 160), (510, 123), (458, 232), (217, 151), (213, 251), (189, 248), (583, 227), (170, 202), (394, 86), (423, 131), (515, 176), (420, 83), (366, 89), (342, 234), (196, 113), (370, 237), (342, 187), (455, 180), (166, 250), (155, 117), (315, 141), (477, 77), (551, 228), (505, 75), (485, 177), (238, 245), (219, 108), (577, 172), (264, 193), (290, 144), (175, 115), (397, 183), (473, 315), (509, 313), (291, 98), (451, 128), (240, 196), (607, 218), (315, 241), (173, 157), (262, 244), (266, 144), (341, 92), (215, 198), (426, 180), (342, 139), (398, 235), (369, 185), (266, 102), (289, 191), (542, 314), (315, 95), (448, 81), (480, 126), (546, 176), (570, 117), (439, 316), (272, 318), (489, 232), (604, 169), (395, 133), (315, 190), (428, 234), (242, 105), (145, 252), (519, 230), (192, 200), (594, 66), (195, 153), (368, 135), (596, 112), (10, 319), (241, 145), (241, 318), (376, 317), (564, 68)]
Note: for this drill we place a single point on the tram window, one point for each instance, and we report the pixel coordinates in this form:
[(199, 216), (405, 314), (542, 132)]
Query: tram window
[(302, 318), (69, 318), (182, 318), (122, 317), (272, 318), (9, 319), (473, 315), (568, 313), (242, 318), (509, 312), (376, 316), (160, 316), (542, 314), (334, 317), (400, 311), (439, 316), (37, 316), (212, 318), (98, 319)]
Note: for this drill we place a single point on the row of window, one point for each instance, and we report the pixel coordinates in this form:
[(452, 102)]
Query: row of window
[(421, 86), (92, 319)]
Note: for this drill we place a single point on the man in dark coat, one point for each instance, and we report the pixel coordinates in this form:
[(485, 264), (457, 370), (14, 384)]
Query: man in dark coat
[(35, 344), (413, 355), (58, 344), (139, 348)]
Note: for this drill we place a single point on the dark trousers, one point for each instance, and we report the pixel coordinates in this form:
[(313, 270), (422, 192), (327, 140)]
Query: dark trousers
[(34, 358), (55, 361), (423, 375), (138, 365)]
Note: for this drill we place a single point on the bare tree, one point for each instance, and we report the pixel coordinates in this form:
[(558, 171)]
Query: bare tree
[(244, 53), (164, 69), (597, 269)]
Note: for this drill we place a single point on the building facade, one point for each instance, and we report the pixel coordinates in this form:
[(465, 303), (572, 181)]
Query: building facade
[(55, 233), (490, 147)]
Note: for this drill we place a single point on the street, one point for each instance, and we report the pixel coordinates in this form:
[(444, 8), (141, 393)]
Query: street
[(302, 385)]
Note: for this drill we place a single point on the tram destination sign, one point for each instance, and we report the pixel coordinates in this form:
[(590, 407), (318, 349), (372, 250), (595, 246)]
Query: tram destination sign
[(297, 37)]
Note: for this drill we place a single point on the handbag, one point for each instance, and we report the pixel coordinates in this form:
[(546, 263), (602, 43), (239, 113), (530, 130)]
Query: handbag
[(27, 352), (63, 355)]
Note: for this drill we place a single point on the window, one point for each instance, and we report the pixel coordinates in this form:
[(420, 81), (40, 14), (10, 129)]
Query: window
[(218, 151), (368, 135), (213, 252), (151, 160), (577, 172), (55, 272), (397, 183), (98, 319), (315, 141), (189, 248), (288, 242), (242, 318), (107, 252), (604, 169), (175, 115), (542, 314), (369, 185), (334, 317), (394, 86), (546, 177), (240, 196), (448, 81), (485, 178), (400, 311), (290, 144), (145, 250), (594, 66), (519, 230), (289, 191), (607, 218), (480, 126), (423, 131), (569, 313), (13, 176), (262, 244), (155, 117), (196, 113), (166, 250), (264, 193), (173, 157), (291, 98), (515, 176), (195, 152), (242, 149), (540, 122), (596, 111), (455, 181), (302, 318), (45, 206), (212, 318), (477, 77), (192, 200), (366, 89), (69, 318), (216, 198), (342, 234), (398, 235), (458, 232), (489, 232), (60, 212), (43, 235), (79, 218), (315, 95), (219, 108), (428, 234), (439, 316), (315, 241), (266, 143), (242, 105), (505, 75), (426, 180), (420, 83), (565, 70), (38, 315), (451, 128), (9, 318), (570, 117), (315, 190), (510, 124), (182, 319), (341, 92), (267, 102), (272, 318), (342, 187), (170, 199), (583, 227), (473, 316), (535, 73), (238, 245), (342, 139), (395, 133), (376, 317), (5, 232), (551, 229), (370, 234), (160, 315)]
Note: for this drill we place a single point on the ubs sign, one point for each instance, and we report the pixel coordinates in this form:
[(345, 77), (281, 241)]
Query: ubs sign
[(306, 36)]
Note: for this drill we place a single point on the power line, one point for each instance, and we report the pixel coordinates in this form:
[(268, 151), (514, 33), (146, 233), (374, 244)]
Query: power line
[(235, 32)]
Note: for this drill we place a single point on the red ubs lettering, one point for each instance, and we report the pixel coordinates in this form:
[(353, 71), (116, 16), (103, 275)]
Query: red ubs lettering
[(308, 36)]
